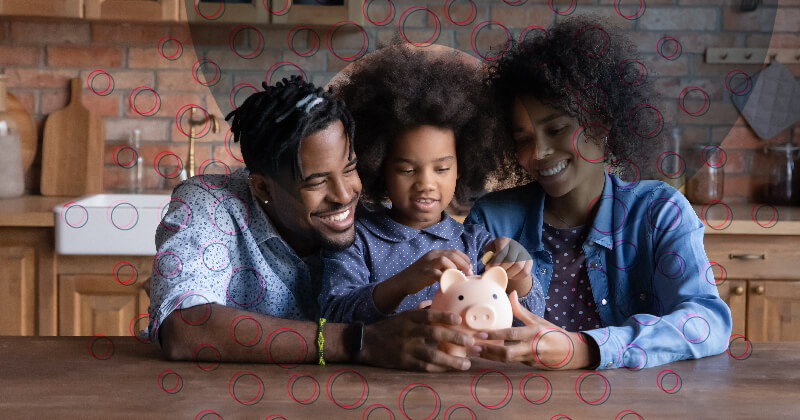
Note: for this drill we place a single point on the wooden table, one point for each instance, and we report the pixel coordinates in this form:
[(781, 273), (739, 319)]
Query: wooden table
[(58, 377)]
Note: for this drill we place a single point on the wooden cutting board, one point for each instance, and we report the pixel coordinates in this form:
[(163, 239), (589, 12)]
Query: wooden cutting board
[(72, 149), (27, 131)]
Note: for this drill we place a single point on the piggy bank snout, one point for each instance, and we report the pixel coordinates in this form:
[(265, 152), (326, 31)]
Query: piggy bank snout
[(480, 317)]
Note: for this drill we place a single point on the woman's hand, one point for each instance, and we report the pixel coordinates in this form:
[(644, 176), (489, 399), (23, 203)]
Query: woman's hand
[(514, 258), (539, 343)]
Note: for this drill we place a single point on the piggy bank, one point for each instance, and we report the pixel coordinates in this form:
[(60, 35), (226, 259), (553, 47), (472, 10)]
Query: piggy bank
[(481, 301)]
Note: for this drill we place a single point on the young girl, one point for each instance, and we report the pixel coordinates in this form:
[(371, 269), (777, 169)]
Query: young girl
[(422, 136), (627, 279)]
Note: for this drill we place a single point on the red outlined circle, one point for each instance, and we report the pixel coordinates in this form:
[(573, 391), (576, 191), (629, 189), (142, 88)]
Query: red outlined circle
[(365, 11), (196, 357), (240, 29), (575, 147), (277, 332), (235, 92), (135, 322), (229, 138), (621, 71), (335, 27), (283, 64), (560, 417), (652, 133), (580, 103), (179, 119), (662, 262), (206, 413), (134, 273), (93, 340), (606, 330), (660, 48), (290, 389), (663, 158), (639, 12), (617, 200), (119, 207), (180, 307), (134, 156), (162, 43), (332, 379), (65, 210), (235, 323), (711, 150), (369, 410), (540, 336), (642, 361), (708, 206), (709, 267), (572, 6), (515, 3), (290, 41), (244, 205), (204, 167), (579, 383), (158, 259), (132, 98), (161, 156), (178, 384), (474, 389), (773, 218), (682, 97), (164, 207), (747, 351), (198, 67), (456, 407), (260, 291), (281, 12), (747, 84), (437, 406), (660, 381), (585, 51), (109, 85), (703, 336), (653, 219), (212, 244), (636, 177), (437, 28), (548, 392), (474, 35), (625, 413), (236, 378), (217, 14), (472, 13)]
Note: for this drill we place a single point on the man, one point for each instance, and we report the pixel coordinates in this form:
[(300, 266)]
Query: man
[(237, 264)]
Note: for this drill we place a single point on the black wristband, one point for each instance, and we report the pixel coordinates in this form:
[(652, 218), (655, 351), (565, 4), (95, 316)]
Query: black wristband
[(356, 340)]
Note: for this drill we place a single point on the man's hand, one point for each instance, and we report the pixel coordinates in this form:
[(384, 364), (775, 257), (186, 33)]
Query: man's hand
[(408, 341), (514, 258), (539, 343)]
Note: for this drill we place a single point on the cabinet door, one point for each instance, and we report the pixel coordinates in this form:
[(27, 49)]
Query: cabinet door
[(133, 10), (17, 290), (773, 312), (54, 8), (97, 304), (734, 293), (227, 11)]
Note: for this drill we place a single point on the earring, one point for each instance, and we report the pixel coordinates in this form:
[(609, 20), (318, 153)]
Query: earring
[(266, 201)]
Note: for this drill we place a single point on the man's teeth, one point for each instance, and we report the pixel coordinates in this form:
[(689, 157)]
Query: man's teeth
[(554, 170), (338, 217)]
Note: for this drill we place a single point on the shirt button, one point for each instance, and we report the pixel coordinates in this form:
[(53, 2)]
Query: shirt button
[(608, 365), (642, 296), (542, 271), (603, 302), (593, 264)]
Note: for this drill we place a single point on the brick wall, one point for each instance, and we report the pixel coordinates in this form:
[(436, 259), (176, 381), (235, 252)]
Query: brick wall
[(41, 55)]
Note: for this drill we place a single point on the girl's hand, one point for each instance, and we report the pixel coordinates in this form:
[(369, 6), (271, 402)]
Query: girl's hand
[(514, 258), (539, 343)]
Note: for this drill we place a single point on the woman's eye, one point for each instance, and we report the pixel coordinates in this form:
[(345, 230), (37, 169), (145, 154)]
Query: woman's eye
[(557, 131)]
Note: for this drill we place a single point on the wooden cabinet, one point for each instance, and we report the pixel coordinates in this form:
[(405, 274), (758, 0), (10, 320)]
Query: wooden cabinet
[(18, 290), (51, 8), (320, 12), (290, 12), (230, 11), (133, 10)]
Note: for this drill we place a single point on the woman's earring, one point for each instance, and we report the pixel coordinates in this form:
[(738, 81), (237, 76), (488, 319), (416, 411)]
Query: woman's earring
[(266, 201)]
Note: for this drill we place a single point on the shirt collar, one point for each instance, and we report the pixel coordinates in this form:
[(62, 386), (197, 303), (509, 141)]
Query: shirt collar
[(380, 224)]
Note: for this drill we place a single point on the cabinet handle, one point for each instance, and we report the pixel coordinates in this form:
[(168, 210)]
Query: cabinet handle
[(747, 257), (759, 290), (738, 290)]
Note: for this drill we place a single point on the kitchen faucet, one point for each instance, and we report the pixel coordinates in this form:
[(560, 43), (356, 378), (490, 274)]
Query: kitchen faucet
[(190, 169)]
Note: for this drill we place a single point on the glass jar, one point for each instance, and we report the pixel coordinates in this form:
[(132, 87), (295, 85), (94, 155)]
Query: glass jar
[(706, 174), (783, 189)]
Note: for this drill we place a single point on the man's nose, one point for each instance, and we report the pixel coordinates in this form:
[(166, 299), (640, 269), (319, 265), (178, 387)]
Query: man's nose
[(340, 191)]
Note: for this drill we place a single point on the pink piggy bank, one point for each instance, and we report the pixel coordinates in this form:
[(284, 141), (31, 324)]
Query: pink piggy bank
[(481, 301)]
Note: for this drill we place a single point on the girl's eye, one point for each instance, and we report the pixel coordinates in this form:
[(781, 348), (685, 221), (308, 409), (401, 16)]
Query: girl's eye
[(406, 171), (442, 169)]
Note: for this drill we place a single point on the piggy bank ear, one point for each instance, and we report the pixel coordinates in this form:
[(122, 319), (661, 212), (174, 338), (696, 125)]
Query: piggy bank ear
[(450, 277), (497, 275)]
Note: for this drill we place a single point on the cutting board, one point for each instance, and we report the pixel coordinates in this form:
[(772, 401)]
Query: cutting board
[(27, 131), (72, 149)]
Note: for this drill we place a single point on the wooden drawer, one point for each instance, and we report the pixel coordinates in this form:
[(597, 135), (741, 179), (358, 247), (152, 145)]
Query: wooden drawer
[(755, 256)]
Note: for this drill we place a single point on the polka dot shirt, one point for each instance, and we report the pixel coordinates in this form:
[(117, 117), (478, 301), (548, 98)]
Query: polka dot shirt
[(569, 302)]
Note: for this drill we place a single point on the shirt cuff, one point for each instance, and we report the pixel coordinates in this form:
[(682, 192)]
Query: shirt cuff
[(607, 345)]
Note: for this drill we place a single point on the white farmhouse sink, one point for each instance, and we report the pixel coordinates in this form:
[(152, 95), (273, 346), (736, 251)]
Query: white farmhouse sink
[(109, 224)]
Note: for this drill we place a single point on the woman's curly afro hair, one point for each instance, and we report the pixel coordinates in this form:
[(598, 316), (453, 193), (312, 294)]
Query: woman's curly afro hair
[(587, 70), (398, 88)]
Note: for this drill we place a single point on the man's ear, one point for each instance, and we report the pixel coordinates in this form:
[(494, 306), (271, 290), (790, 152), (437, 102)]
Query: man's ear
[(450, 277), (262, 186)]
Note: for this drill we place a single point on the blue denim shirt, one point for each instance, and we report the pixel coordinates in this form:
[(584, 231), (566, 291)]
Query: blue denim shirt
[(650, 277)]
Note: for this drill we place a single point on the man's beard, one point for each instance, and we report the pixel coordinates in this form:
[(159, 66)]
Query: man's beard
[(336, 245)]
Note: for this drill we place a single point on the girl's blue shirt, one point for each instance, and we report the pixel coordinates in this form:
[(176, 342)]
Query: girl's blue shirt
[(653, 285)]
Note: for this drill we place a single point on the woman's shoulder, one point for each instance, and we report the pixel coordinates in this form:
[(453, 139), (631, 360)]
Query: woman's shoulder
[(521, 196)]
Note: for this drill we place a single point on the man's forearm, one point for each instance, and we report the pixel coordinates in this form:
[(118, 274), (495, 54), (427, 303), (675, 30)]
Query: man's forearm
[(243, 340)]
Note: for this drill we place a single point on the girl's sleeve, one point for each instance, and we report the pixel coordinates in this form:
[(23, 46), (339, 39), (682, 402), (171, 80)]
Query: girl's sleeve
[(346, 294)]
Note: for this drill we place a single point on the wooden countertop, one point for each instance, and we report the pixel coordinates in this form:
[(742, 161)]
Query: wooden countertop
[(49, 377), (29, 210), (749, 219)]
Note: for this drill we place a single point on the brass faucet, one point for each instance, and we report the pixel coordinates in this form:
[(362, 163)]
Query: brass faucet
[(190, 169)]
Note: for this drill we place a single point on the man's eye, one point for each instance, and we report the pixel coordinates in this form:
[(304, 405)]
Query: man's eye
[(350, 171), (317, 184)]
